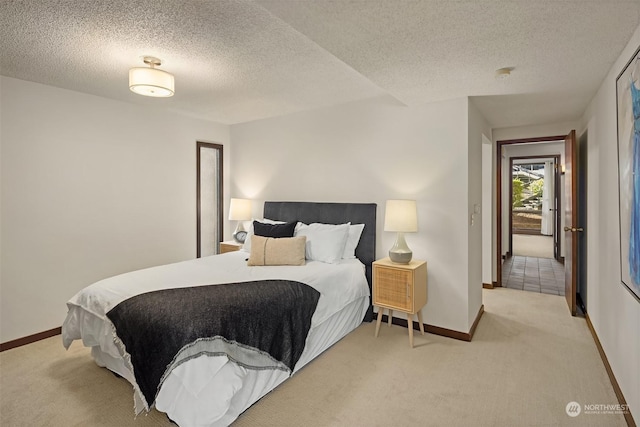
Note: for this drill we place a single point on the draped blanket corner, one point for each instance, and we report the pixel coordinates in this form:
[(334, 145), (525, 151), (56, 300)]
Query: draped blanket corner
[(259, 325)]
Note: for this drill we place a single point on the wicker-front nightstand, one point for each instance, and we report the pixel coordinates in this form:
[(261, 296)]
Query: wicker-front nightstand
[(401, 287)]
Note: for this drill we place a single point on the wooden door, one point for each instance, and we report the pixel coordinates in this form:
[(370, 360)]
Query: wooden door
[(571, 228)]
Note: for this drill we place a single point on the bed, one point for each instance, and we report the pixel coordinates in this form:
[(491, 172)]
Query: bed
[(211, 380)]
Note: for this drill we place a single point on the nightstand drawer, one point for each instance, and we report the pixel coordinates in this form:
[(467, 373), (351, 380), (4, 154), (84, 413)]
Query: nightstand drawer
[(393, 288)]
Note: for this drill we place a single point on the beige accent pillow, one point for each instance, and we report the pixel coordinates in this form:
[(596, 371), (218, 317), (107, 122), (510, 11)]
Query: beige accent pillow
[(280, 251)]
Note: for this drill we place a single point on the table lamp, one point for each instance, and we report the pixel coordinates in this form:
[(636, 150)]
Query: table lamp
[(401, 216), (240, 210)]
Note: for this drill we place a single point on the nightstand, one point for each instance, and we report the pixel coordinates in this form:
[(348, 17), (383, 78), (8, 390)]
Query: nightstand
[(229, 246), (401, 287)]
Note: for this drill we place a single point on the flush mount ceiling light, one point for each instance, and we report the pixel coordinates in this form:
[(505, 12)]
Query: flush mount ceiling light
[(151, 81), (503, 73)]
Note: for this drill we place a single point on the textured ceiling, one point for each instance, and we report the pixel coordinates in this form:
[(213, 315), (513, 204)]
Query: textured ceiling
[(237, 61)]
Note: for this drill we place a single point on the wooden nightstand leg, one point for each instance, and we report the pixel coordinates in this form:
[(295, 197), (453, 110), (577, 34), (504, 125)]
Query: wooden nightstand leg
[(390, 317), (421, 322), (380, 310), (410, 327)]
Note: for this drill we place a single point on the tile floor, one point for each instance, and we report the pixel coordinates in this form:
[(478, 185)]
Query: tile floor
[(545, 275)]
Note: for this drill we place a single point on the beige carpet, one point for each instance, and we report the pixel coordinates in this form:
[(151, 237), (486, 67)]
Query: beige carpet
[(527, 361), (532, 245)]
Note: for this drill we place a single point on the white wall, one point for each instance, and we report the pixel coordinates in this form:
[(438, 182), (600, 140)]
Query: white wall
[(478, 131), (1, 111), (91, 188), (371, 151), (614, 312)]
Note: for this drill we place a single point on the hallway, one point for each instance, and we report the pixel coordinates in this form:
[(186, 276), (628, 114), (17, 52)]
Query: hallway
[(543, 275)]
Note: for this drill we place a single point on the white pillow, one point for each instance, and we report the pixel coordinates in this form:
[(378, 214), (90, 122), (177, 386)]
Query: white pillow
[(355, 231), (246, 246), (325, 242)]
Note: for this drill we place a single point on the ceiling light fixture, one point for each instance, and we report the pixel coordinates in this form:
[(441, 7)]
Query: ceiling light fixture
[(503, 73), (151, 81)]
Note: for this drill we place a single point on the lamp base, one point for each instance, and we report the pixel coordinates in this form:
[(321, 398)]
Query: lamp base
[(400, 252), (401, 257), (240, 234)]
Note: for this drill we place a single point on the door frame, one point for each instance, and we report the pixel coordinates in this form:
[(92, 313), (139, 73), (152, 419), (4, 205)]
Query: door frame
[(498, 192), (557, 247)]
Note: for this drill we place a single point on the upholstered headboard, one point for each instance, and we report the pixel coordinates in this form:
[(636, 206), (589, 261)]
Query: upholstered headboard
[(334, 213)]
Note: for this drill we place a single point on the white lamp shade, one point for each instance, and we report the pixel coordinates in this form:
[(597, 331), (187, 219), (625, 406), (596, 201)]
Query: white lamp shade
[(401, 216), (151, 82), (240, 210)]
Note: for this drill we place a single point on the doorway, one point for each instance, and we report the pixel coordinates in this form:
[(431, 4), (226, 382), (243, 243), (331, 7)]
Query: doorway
[(510, 269), (534, 219)]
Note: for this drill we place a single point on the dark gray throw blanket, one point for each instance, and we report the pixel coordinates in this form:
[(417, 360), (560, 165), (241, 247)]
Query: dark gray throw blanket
[(259, 325)]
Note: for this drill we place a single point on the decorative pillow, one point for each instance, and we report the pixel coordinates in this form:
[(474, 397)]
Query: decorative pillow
[(355, 231), (325, 242), (274, 230), (247, 243), (277, 251)]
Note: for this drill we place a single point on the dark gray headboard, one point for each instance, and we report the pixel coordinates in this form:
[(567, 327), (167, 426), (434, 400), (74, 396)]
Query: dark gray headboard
[(334, 213)]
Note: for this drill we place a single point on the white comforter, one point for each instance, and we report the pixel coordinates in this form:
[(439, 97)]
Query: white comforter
[(212, 390)]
